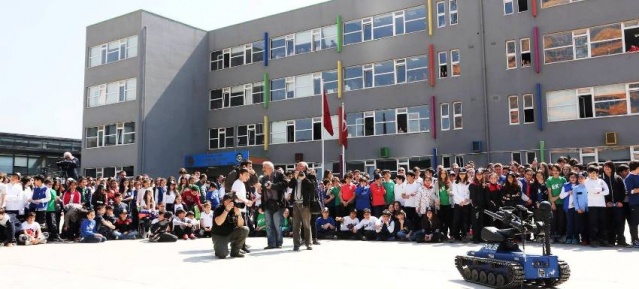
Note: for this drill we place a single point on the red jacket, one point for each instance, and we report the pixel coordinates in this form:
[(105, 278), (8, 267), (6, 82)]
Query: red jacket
[(377, 192)]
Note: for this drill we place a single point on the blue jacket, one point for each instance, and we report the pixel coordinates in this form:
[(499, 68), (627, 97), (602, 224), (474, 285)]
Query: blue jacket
[(321, 222), (40, 194), (87, 229), (214, 198), (632, 182), (568, 186), (362, 198), (161, 192), (580, 195)]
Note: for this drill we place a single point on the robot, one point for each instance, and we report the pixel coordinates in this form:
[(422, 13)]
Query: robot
[(501, 264)]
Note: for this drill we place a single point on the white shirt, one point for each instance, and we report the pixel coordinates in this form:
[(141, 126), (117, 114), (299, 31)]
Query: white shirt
[(563, 195), (221, 192), (3, 192), (170, 198), (597, 189), (412, 200), (399, 190), (15, 198), (380, 223), (4, 220), (460, 193), (348, 221), (240, 191), (368, 225), (33, 226), (207, 219)]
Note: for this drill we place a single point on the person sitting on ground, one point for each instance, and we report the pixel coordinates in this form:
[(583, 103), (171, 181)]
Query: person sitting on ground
[(160, 229), (182, 227), (286, 224), (431, 228), (325, 225), (190, 218), (124, 229), (87, 230), (366, 228), (31, 232), (7, 229), (228, 227), (385, 227), (260, 224), (119, 205), (348, 225), (102, 225), (206, 220), (403, 227)]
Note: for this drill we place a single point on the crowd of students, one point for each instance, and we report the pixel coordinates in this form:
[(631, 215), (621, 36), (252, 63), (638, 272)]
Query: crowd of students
[(591, 204)]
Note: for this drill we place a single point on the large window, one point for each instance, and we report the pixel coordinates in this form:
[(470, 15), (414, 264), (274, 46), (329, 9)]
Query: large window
[(250, 135), (236, 95), (511, 54), (221, 138), (513, 109), (457, 115), (600, 101), (445, 116), (529, 108), (119, 91), (591, 42), (304, 42), (385, 25), (113, 51), (385, 73), (237, 56), (441, 14), (525, 56), (302, 86), (110, 135), (301, 130), (453, 12), (553, 3), (443, 64), (389, 121)]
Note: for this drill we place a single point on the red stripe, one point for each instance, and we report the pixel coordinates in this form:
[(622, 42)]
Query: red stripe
[(431, 66)]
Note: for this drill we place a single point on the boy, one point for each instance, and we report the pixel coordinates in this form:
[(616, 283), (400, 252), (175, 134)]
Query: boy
[(213, 196), (389, 186), (347, 194), (206, 219), (7, 229), (555, 183), (325, 226), (87, 230), (30, 232), (52, 213), (124, 229), (160, 229), (182, 227), (366, 227), (632, 189), (40, 199), (348, 225), (580, 197), (102, 225), (385, 227), (597, 190)]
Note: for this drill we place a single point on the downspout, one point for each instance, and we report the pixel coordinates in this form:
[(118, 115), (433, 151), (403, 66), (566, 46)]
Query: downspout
[(142, 98), (485, 77)]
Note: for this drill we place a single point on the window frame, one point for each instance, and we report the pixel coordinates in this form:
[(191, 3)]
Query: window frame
[(444, 64), (125, 48), (454, 63), (530, 107), (445, 115), (251, 140), (512, 7), (441, 13), (367, 24), (513, 107), (452, 12), (458, 115), (522, 52), (511, 54), (222, 137)]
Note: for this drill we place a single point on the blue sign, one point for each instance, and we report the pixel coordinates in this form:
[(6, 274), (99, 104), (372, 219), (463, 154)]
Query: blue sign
[(215, 159)]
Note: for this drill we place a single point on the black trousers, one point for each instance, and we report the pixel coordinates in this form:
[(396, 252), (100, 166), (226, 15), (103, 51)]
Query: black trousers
[(8, 233), (445, 215), (313, 228), (236, 238), (52, 225), (633, 217), (558, 225), (179, 231), (461, 221), (582, 226), (346, 235), (41, 217), (377, 210), (597, 223), (478, 222), (615, 225), (411, 215), (370, 235), (166, 238)]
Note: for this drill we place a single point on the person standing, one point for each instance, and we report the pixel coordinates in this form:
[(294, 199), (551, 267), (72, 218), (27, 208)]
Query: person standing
[(632, 190), (614, 205), (273, 202), (238, 191), (301, 195), (555, 183), (411, 199), (597, 191)]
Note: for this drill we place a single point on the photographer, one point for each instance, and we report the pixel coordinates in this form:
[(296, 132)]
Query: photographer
[(303, 189), (70, 165), (228, 227), (273, 187)]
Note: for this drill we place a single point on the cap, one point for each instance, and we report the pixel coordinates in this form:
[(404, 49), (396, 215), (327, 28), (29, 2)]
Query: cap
[(70, 179), (429, 209), (367, 211), (325, 210), (462, 170), (386, 213), (124, 212), (451, 172)]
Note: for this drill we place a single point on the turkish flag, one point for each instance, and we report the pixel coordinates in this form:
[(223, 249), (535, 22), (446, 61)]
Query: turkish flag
[(343, 130), (328, 123)]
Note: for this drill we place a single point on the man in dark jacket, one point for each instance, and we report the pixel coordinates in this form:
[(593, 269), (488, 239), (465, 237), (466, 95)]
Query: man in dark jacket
[(70, 165), (303, 192), (273, 187)]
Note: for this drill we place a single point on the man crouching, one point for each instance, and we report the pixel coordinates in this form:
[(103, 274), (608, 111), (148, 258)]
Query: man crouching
[(228, 227)]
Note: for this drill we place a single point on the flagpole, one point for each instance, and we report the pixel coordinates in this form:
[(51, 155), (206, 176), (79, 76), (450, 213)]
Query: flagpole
[(343, 150), (323, 138)]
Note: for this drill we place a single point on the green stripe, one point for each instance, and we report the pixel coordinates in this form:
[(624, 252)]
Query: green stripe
[(267, 90), (339, 33)]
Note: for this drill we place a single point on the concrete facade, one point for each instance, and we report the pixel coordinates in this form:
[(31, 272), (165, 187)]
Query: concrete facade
[(174, 80)]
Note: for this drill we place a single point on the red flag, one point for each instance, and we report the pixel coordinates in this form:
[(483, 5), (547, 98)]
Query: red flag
[(328, 123), (343, 130)]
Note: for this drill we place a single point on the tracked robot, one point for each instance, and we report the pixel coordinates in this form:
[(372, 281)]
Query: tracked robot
[(501, 264)]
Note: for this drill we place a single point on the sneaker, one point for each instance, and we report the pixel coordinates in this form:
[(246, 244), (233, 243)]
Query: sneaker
[(309, 248), (296, 248), (635, 244), (269, 247), (316, 242), (192, 237), (237, 255), (154, 238), (185, 237)]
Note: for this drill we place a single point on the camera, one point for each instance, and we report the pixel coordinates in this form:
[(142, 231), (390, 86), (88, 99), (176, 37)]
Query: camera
[(239, 204)]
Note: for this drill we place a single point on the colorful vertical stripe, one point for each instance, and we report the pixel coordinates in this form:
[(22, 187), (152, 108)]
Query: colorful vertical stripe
[(536, 48), (340, 36), (435, 158), (429, 10), (266, 127), (542, 151), (266, 48), (431, 64), (534, 8), (433, 117), (340, 79), (267, 90)]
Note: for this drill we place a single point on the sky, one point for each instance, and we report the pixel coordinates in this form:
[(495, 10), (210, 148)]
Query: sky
[(43, 51)]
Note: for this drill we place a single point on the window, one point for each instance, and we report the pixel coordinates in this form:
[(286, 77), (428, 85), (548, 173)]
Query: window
[(329, 80), (279, 132), (443, 64), (237, 56), (329, 37), (385, 25), (522, 5), (452, 12), (113, 51), (257, 51), (553, 3), (278, 89), (385, 122), (220, 59), (353, 78), (110, 135), (250, 135), (417, 68), (418, 119), (524, 46), (445, 116), (508, 7), (511, 54), (304, 86), (400, 71), (278, 47), (585, 103), (300, 130), (530, 157), (516, 157), (389, 121), (257, 92), (633, 95), (221, 138), (441, 14), (237, 95), (446, 161), (529, 108), (457, 115), (384, 73), (587, 43), (454, 62), (303, 42), (513, 109), (361, 124), (459, 160), (610, 100)]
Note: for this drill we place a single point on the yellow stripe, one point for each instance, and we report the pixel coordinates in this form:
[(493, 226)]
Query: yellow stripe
[(266, 134), (430, 17), (340, 79)]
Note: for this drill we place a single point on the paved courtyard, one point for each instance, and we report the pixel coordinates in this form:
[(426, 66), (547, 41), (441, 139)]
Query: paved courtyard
[(336, 264)]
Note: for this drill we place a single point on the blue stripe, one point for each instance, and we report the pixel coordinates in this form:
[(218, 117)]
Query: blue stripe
[(266, 49)]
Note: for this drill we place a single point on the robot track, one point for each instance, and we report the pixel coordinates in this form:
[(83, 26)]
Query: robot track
[(491, 273)]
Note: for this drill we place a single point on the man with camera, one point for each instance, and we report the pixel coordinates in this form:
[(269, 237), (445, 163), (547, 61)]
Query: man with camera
[(273, 187), (70, 165), (228, 227), (303, 190)]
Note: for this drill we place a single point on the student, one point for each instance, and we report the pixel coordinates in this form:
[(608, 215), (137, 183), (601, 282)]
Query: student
[(169, 196), (160, 229), (431, 229), (554, 184), (40, 199), (206, 220), (346, 230), (52, 218), (572, 237), (100, 197), (597, 190), (7, 229), (427, 195), (31, 232), (632, 190), (213, 196), (462, 209), (389, 186), (15, 199), (335, 209), (260, 223), (403, 228), (287, 230), (347, 194), (118, 205), (87, 230), (366, 230), (325, 226), (399, 189), (385, 227), (378, 192), (71, 195), (102, 225), (177, 206), (411, 198), (362, 197), (478, 196), (124, 229), (614, 205), (182, 227), (580, 197)]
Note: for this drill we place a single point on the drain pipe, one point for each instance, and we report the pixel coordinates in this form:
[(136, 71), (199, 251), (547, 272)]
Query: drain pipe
[(485, 77), (142, 99)]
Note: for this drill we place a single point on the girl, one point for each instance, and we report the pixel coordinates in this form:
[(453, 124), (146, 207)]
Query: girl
[(572, 237), (178, 204), (99, 197), (72, 196), (478, 196), (169, 197), (377, 194), (113, 188), (461, 211), (403, 226), (511, 192), (432, 229), (362, 197), (443, 206)]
